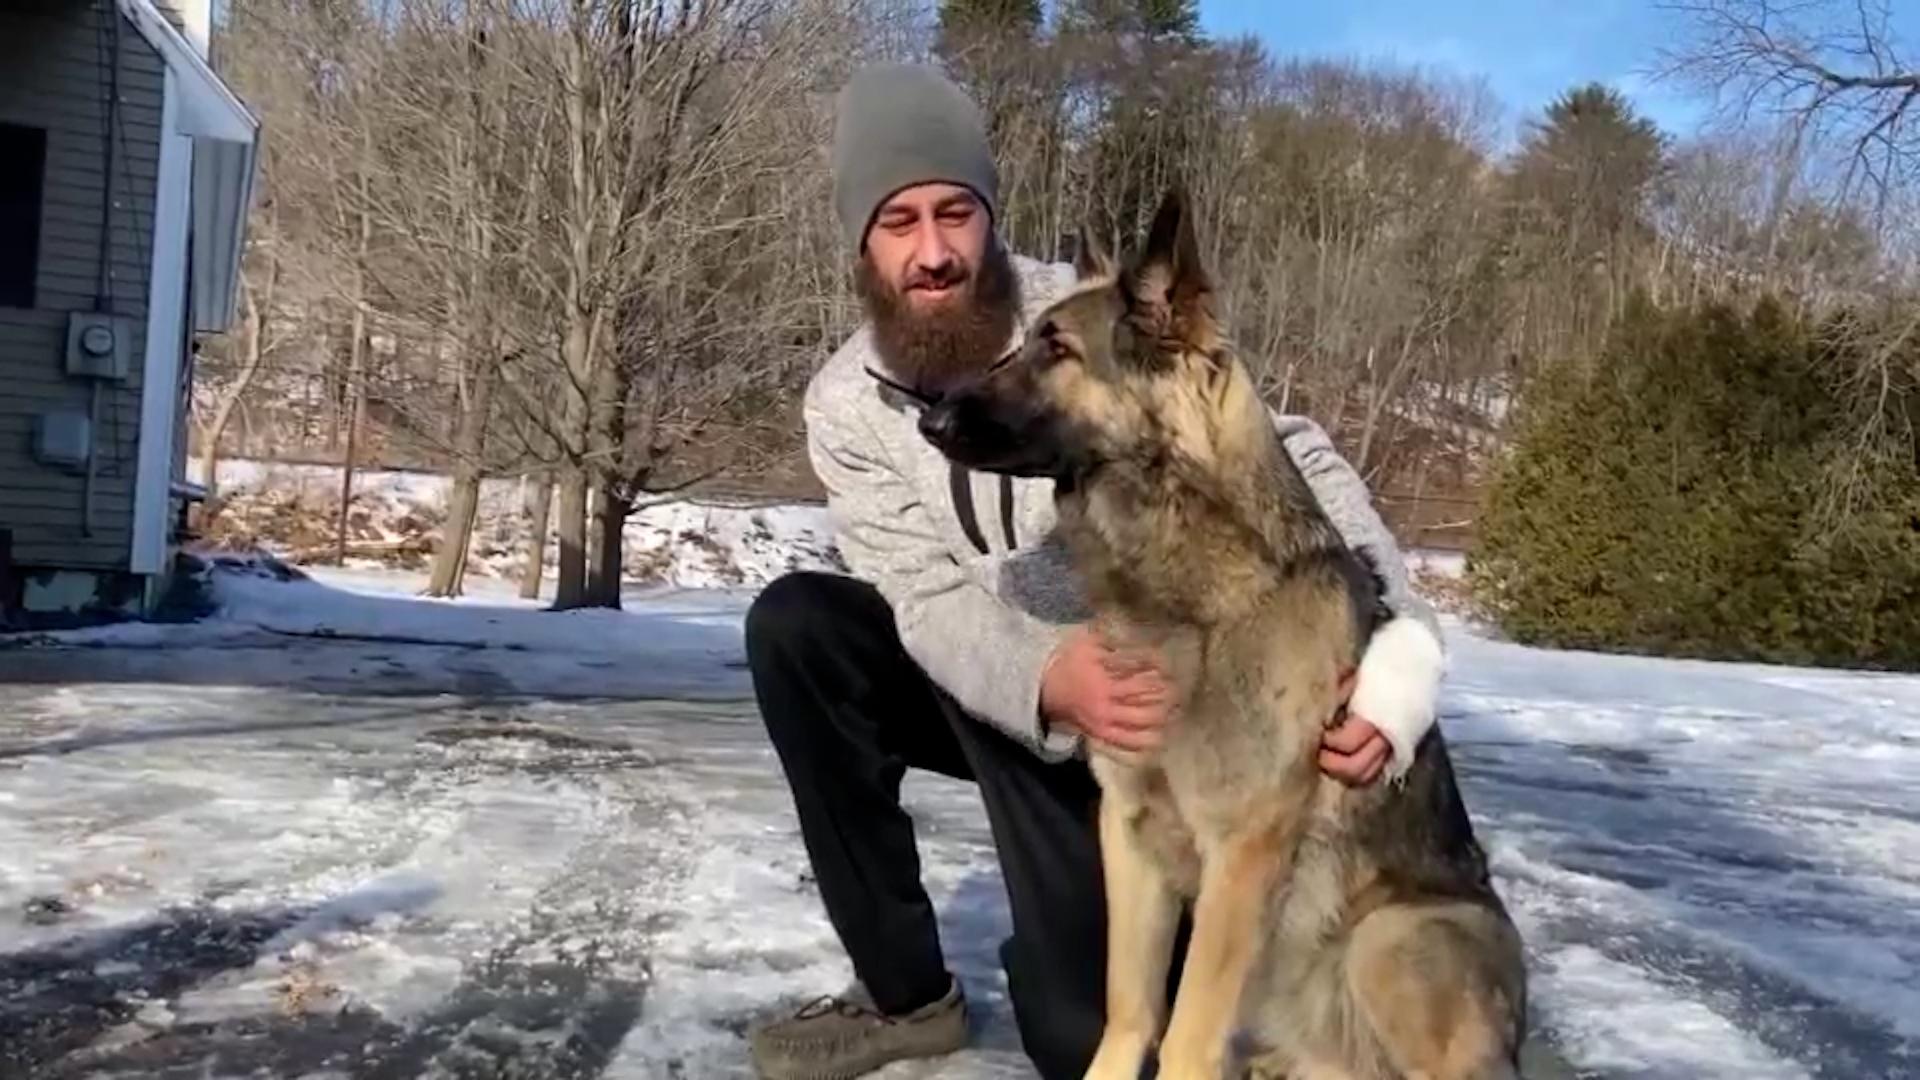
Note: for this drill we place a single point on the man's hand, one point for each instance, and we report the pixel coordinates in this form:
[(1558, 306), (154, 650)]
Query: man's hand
[(1353, 751), (1113, 695), (1119, 696)]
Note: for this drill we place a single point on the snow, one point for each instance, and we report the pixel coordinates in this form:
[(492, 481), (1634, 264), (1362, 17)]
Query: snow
[(1422, 562), (686, 543), (338, 827), (680, 643)]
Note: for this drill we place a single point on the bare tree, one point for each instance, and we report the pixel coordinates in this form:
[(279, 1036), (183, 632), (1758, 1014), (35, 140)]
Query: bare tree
[(463, 181), (219, 388), (1832, 65), (590, 245), (1835, 71), (664, 121)]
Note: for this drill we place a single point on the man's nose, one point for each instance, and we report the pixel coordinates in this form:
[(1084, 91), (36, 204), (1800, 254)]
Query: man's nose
[(933, 253)]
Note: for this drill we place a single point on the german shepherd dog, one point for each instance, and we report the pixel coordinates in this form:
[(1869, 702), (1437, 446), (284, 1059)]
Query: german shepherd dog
[(1346, 933)]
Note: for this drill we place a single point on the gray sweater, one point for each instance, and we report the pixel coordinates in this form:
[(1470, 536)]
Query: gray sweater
[(978, 584)]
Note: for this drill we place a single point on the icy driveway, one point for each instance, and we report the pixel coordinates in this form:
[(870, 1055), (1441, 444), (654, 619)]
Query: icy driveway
[(439, 874), (341, 858)]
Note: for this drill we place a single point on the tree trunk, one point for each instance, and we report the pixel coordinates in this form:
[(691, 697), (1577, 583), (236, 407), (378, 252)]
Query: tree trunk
[(356, 378), (570, 573), (456, 539), (335, 392), (570, 577), (538, 508), (356, 392), (608, 564), (248, 436), (469, 468), (608, 516), (577, 218), (253, 320)]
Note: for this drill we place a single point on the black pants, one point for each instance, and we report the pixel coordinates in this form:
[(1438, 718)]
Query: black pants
[(849, 712)]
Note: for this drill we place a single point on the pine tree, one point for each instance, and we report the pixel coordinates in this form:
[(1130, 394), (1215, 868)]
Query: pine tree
[(1580, 199), (1134, 20), (1667, 501), (965, 24), (1146, 65), (1589, 166)]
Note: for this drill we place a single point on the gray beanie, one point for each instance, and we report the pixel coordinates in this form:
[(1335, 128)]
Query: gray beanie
[(897, 125)]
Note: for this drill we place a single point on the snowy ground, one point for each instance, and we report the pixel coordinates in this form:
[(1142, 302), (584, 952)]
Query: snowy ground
[(290, 508), (473, 839)]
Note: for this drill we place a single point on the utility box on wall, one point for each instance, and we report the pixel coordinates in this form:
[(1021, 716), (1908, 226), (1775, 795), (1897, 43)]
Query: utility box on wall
[(63, 439), (97, 345)]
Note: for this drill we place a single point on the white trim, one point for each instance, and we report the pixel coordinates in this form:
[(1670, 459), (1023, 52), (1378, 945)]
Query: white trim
[(223, 179), (208, 108), (225, 164), (160, 388)]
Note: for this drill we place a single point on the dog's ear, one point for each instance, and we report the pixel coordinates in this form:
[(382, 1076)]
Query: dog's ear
[(1090, 258), (1171, 288)]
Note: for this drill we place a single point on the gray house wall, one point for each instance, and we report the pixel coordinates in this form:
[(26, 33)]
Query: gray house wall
[(59, 59), (170, 9)]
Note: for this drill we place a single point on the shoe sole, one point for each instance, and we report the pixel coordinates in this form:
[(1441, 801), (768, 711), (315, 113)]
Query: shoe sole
[(856, 1070)]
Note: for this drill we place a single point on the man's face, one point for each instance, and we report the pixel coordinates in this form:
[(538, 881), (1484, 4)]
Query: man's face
[(937, 284), (926, 243)]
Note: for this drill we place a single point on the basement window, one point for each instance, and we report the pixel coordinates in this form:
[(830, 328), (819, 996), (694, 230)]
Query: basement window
[(23, 171)]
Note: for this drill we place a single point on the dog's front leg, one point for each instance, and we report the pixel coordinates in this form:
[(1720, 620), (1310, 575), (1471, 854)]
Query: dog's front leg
[(1237, 880), (1142, 920)]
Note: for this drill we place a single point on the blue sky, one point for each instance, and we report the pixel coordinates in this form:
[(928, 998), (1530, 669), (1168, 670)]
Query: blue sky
[(1528, 50)]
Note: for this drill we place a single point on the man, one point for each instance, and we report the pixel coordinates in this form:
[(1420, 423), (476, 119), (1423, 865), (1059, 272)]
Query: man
[(955, 645)]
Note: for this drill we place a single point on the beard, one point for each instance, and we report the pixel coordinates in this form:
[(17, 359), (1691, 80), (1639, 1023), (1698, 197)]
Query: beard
[(929, 350)]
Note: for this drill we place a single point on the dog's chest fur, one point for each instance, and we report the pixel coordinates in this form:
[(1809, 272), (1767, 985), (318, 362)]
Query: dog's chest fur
[(1168, 566), (1160, 552), (1251, 638)]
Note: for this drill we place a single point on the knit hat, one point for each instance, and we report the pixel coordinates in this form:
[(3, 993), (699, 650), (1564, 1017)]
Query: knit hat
[(897, 125)]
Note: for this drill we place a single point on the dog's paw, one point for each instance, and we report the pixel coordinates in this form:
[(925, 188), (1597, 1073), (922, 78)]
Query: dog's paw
[(1117, 1059)]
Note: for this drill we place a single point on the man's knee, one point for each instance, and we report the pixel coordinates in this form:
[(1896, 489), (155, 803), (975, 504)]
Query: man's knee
[(777, 615), (799, 608), (809, 631)]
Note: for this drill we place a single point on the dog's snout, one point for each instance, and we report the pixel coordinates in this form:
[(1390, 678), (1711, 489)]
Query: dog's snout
[(937, 422)]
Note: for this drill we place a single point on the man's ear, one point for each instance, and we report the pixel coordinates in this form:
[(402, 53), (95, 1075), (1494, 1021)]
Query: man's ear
[(1090, 259), (1171, 289)]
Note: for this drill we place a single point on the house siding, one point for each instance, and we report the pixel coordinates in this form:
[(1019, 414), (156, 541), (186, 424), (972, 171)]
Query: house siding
[(170, 10), (58, 56)]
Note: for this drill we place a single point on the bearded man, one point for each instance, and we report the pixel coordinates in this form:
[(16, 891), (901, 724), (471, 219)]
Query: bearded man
[(953, 646)]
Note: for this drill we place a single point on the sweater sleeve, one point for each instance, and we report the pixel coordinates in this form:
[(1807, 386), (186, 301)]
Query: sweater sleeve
[(1398, 684), (984, 651)]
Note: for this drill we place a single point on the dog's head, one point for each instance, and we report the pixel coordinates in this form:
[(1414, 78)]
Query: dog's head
[(1128, 365)]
